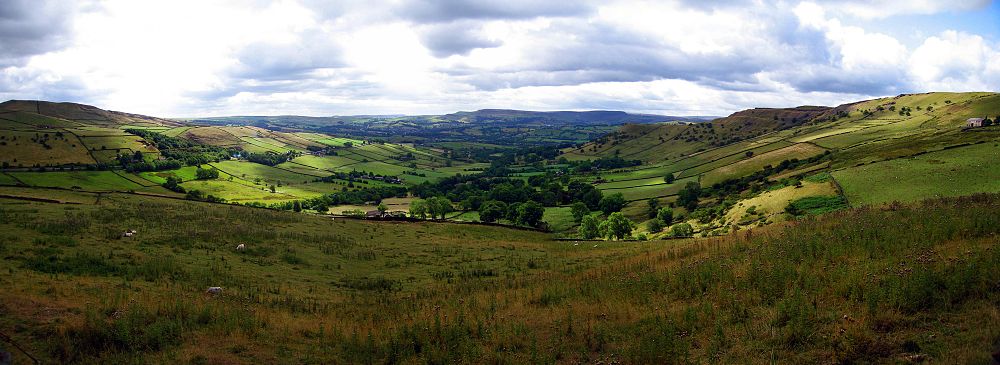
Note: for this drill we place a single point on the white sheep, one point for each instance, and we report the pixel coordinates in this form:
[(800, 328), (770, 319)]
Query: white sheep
[(214, 290), (241, 247)]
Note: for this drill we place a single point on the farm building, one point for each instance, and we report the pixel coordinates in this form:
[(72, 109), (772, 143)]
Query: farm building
[(974, 122), (373, 214)]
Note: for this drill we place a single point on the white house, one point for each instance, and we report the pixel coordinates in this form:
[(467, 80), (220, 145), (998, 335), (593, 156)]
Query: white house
[(974, 122)]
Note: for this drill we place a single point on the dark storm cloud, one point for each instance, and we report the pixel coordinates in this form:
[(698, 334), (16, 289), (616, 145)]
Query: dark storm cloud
[(30, 27), (430, 11), (455, 38)]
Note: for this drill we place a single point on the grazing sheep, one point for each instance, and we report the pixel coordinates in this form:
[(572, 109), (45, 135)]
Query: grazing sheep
[(214, 290), (241, 247), (127, 234)]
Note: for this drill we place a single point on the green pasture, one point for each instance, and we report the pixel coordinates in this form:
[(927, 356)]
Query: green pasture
[(952, 172)]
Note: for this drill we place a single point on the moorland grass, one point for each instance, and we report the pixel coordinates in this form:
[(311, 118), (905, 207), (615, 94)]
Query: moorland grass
[(859, 285)]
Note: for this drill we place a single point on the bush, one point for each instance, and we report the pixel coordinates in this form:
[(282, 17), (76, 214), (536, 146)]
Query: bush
[(681, 230), (655, 225)]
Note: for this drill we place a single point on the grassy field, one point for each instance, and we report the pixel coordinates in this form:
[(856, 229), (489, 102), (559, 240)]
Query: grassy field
[(85, 180), (952, 172), (916, 281), (769, 206), (560, 220), (252, 171), (757, 162), (29, 148)]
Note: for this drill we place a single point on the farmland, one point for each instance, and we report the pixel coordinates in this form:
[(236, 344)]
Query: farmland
[(952, 172)]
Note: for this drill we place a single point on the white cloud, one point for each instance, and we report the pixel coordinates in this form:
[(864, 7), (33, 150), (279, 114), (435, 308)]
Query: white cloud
[(190, 58), (880, 9), (954, 61)]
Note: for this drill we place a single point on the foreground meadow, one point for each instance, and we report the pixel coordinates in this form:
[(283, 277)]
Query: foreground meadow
[(898, 283)]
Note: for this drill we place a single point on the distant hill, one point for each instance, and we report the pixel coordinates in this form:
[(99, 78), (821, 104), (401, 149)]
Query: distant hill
[(493, 126)]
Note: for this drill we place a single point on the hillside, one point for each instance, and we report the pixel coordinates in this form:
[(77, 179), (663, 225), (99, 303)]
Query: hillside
[(85, 148), (82, 115), (907, 147), (907, 283)]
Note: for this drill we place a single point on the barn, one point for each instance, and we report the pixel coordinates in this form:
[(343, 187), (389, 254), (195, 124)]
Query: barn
[(974, 122)]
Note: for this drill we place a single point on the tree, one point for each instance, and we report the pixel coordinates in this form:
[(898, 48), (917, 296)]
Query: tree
[(511, 213), (530, 213), (688, 196), (665, 215), (681, 230), (579, 210), (418, 209), (173, 184), (669, 178), (492, 211), (297, 206), (612, 203), (655, 225), (617, 226), (589, 227), (206, 174), (987, 122), (382, 208), (274, 188), (439, 206), (654, 207)]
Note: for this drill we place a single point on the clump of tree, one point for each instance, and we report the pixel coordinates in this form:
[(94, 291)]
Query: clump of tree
[(174, 152), (612, 203), (663, 218), (435, 207), (173, 183), (353, 197), (206, 174), (617, 226), (201, 196), (270, 158)]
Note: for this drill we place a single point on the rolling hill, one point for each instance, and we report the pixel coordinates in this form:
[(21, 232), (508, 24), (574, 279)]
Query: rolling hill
[(906, 148), (803, 251), (493, 126), (81, 147)]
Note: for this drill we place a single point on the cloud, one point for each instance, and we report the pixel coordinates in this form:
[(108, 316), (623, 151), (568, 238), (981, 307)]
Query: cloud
[(31, 27), (456, 38), (190, 58), (450, 10), (880, 9), (955, 61)]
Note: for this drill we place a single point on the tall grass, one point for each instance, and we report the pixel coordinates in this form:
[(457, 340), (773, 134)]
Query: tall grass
[(858, 285)]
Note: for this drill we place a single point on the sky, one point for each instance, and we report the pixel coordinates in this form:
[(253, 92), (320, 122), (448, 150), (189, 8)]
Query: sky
[(190, 58)]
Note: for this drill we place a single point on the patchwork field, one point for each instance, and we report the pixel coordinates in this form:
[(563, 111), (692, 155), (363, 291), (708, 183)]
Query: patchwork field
[(757, 162)]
